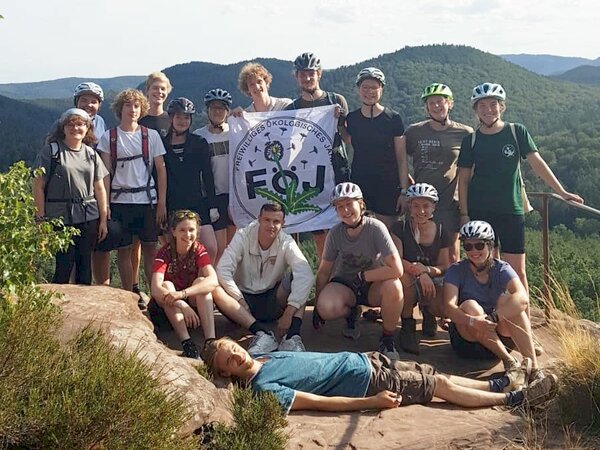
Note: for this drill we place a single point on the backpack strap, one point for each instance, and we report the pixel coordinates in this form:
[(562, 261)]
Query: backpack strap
[(514, 133), (145, 150), (331, 98), (113, 149), (54, 161)]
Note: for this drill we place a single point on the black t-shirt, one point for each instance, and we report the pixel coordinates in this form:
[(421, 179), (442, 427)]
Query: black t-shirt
[(189, 173), (324, 100), (373, 142), (413, 252), (160, 123)]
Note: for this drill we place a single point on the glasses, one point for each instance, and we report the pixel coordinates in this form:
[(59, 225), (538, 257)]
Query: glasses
[(76, 125), (478, 246)]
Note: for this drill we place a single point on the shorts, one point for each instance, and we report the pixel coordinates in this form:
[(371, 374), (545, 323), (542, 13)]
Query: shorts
[(508, 228), (381, 200), (264, 306), (222, 205), (136, 220), (474, 350), (113, 239), (413, 381), (448, 218), (362, 295)]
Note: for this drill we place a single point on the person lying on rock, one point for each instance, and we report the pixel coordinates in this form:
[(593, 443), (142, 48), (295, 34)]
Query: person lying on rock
[(183, 279), (257, 285), (349, 381)]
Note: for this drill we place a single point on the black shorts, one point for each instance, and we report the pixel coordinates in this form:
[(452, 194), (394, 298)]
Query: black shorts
[(474, 350), (508, 228), (222, 205), (264, 306), (113, 239), (362, 295), (136, 220), (381, 199), (448, 218)]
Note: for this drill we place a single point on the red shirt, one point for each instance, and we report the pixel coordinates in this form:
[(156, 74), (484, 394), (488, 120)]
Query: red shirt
[(183, 270)]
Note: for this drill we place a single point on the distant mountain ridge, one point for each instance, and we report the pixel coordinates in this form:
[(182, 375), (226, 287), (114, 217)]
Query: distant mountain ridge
[(582, 75), (549, 64), (63, 87)]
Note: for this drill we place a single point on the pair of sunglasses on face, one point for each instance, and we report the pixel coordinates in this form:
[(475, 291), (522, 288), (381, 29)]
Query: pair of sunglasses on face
[(477, 246)]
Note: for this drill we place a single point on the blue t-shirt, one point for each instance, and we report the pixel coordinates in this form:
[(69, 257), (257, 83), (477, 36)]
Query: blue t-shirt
[(344, 374), (460, 275)]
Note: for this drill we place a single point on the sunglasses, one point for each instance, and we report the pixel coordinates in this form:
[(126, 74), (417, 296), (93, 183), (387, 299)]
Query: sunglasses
[(478, 246), (186, 214)]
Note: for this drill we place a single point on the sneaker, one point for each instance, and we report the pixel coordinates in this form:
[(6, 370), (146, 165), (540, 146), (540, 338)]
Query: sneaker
[(143, 300), (429, 324), (293, 344), (510, 364), (387, 347), (263, 342), (351, 330), (518, 377), (541, 391), (189, 349), (408, 336), (536, 374)]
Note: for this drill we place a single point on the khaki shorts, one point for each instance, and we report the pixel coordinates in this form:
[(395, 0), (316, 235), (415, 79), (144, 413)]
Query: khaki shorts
[(413, 381)]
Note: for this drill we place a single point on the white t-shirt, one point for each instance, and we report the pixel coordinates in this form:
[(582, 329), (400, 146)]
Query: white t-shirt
[(275, 104), (99, 126), (218, 149), (133, 173)]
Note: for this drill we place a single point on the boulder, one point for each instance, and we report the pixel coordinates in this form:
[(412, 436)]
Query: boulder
[(116, 313)]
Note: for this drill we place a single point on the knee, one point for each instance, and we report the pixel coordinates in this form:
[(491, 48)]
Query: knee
[(328, 309), (441, 382), (472, 308), (392, 289), (169, 286)]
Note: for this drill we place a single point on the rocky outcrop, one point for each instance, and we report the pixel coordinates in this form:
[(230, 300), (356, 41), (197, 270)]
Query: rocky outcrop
[(116, 313)]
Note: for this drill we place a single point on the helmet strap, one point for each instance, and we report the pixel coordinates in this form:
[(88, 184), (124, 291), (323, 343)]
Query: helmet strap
[(490, 125), (217, 126), (358, 224)]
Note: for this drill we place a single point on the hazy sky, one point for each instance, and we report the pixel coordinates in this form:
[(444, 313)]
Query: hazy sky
[(48, 39)]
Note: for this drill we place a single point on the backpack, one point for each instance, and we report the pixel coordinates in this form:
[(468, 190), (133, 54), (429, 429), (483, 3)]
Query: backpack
[(339, 153), (145, 155), (54, 163), (526, 204)]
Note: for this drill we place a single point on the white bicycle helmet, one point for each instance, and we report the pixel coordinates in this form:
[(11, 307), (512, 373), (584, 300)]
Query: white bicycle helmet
[(422, 190), (181, 105), (477, 229), (488, 90), (218, 94), (88, 88), (346, 190), (307, 61), (74, 112), (370, 72)]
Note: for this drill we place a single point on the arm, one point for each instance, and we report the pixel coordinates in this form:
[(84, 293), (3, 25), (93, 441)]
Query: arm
[(541, 169), (161, 175), (100, 194), (205, 283), (323, 275), (478, 324), (464, 178), (303, 278), (307, 401), (392, 269), (39, 183), (227, 266), (402, 161)]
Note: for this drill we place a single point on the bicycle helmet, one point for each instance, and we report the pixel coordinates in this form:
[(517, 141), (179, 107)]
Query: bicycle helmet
[(74, 112), (307, 61), (437, 89), (422, 190), (488, 90), (218, 94), (370, 72), (346, 190), (181, 105), (477, 229), (88, 88)]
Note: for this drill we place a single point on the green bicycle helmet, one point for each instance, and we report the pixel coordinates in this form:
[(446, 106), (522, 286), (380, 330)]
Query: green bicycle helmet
[(437, 89)]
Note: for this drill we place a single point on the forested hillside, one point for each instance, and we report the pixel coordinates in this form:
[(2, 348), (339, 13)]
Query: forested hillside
[(549, 64), (582, 74)]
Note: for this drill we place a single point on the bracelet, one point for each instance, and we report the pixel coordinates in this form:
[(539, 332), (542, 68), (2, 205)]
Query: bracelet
[(184, 294), (401, 190)]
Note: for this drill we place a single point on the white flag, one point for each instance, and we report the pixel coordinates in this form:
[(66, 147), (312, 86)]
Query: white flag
[(283, 157)]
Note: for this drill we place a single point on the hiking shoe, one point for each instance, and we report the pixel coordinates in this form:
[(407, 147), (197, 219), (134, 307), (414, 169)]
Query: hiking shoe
[(536, 374), (143, 300), (387, 347), (537, 347), (429, 323), (518, 377), (351, 330), (541, 391), (189, 349), (293, 344), (510, 364), (408, 336), (263, 342)]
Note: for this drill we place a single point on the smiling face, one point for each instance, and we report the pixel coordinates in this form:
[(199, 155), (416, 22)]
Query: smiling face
[(89, 103), (489, 110), (185, 234), (131, 111), (370, 91), (349, 210), (257, 86), (269, 226), (75, 129), (181, 122), (421, 209), (157, 92), (438, 107), (232, 360), (308, 80), (217, 112), (477, 250)]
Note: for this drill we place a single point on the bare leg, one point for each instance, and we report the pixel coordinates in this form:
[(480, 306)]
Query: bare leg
[(125, 271), (136, 257), (209, 240), (174, 315), (517, 262), (410, 295), (101, 267), (335, 301), (232, 308), (519, 329), (149, 252), (388, 295), (465, 396), (480, 385), (204, 306)]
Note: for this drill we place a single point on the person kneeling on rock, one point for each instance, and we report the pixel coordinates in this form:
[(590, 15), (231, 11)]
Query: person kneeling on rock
[(348, 381), (257, 285), (183, 279)]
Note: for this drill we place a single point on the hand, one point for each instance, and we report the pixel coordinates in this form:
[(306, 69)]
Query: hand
[(189, 315), (572, 197), (317, 321), (482, 327), (338, 111), (102, 230), (161, 213), (284, 323), (359, 282), (464, 219), (402, 204), (172, 297), (214, 215), (427, 285), (237, 112), (420, 268), (386, 399)]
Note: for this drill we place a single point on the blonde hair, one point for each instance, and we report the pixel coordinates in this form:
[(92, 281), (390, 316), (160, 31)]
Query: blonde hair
[(250, 69), (157, 76), (210, 349), (130, 96)]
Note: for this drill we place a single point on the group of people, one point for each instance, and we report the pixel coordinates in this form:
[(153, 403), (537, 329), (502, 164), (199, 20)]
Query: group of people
[(151, 177)]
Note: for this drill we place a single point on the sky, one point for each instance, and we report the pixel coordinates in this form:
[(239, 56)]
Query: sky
[(49, 39)]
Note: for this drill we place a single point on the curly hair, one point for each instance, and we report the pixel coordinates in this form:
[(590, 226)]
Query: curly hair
[(58, 131), (130, 96), (253, 69)]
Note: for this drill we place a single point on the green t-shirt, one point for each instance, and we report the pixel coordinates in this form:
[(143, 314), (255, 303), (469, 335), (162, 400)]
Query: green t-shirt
[(495, 185)]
